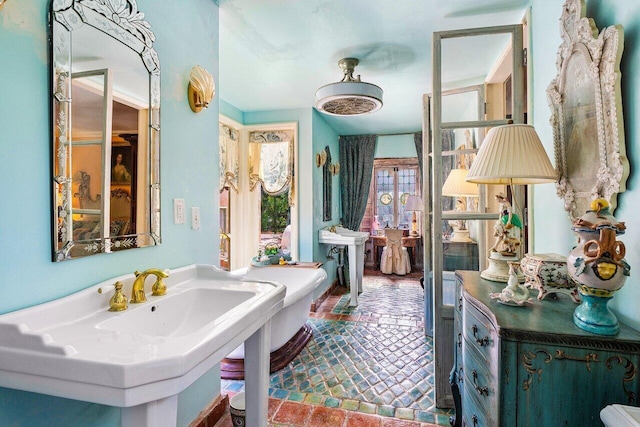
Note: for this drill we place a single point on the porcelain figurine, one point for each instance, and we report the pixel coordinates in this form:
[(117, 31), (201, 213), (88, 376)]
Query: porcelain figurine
[(514, 293), (598, 267)]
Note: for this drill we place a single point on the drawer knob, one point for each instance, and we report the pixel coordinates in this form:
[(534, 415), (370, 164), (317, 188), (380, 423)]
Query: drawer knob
[(484, 391), (481, 341)]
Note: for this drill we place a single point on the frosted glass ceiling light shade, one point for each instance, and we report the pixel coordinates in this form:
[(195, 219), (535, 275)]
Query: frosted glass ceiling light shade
[(511, 154), (456, 184), (350, 96)]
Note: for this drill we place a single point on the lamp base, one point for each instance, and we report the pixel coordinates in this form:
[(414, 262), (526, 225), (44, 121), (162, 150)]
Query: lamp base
[(498, 270)]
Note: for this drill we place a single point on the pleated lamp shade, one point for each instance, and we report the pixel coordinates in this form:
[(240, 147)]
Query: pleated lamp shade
[(456, 184), (511, 154)]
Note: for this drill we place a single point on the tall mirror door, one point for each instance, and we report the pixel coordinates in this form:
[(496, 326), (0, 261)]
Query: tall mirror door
[(466, 102)]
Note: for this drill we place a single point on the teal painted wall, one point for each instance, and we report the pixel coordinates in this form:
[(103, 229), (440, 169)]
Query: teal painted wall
[(186, 35), (552, 233), (323, 136), (395, 146)]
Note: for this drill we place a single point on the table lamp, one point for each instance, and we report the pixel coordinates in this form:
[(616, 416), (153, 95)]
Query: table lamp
[(509, 155), (414, 204), (456, 186)]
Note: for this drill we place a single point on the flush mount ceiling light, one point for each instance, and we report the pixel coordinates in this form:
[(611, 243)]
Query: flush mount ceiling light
[(350, 96)]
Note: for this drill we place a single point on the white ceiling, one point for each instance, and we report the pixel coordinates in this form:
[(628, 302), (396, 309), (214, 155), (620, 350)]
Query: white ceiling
[(275, 54)]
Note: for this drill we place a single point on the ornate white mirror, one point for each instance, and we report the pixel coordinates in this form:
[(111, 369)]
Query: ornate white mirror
[(105, 128), (586, 109)]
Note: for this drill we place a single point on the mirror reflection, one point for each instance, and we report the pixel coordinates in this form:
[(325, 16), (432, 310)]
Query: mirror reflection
[(105, 129)]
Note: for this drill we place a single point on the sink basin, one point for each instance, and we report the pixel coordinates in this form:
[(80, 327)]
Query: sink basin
[(342, 236), (75, 348), (178, 314)]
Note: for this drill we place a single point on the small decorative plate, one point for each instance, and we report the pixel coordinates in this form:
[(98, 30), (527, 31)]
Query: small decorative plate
[(386, 198), (403, 198)]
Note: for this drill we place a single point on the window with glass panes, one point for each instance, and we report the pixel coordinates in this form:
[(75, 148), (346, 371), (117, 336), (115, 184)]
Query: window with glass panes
[(394, 181)]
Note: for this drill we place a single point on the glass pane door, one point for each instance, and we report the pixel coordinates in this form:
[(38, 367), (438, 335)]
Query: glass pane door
[(466, 102)]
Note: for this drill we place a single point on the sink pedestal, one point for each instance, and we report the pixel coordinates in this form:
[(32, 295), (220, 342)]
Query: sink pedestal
[(164, 412), (257, 376), (161, 412), (356, 271), (354, 241)]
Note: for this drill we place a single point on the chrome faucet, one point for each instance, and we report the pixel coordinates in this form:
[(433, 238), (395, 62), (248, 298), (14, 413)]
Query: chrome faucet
[(159, 288)]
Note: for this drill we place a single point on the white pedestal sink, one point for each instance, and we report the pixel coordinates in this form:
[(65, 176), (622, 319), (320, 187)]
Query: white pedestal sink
[(141, 358), (354, 241)]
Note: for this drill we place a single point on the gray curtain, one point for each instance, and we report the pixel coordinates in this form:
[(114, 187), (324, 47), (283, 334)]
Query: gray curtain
[(417, 139), (356, 166)]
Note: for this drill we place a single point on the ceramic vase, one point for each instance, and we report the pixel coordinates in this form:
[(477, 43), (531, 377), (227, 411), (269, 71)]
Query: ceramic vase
[(598, 268)]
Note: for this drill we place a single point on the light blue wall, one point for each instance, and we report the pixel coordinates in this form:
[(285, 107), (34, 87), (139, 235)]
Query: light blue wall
[(395, 146), (186, 35), (323, 136), (552, 233)]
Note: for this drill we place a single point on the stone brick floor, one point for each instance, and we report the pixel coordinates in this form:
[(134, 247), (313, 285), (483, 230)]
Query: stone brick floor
[(369, 365)]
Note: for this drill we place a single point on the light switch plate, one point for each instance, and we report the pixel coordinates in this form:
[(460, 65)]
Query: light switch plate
[(195, 218), (178, 211)]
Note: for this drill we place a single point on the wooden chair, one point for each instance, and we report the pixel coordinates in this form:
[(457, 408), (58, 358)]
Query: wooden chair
[(395, 257)]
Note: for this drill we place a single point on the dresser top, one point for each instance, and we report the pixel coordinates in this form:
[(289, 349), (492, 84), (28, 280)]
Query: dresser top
[(546, 321)]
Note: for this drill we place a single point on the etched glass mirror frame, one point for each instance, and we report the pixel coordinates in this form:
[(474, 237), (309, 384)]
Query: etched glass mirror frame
[(121, 21), (586, 107)]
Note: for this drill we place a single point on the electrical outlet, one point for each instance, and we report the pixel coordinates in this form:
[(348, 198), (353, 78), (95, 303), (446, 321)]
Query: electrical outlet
[(195, 218), (178, 211)]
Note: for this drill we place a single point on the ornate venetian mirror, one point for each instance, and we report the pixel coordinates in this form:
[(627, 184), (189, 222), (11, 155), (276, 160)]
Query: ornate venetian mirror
[(105, 128), (586, 109)]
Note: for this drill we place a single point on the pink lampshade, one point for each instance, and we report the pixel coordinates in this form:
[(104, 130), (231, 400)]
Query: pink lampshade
[(414, 203), (511, 154)]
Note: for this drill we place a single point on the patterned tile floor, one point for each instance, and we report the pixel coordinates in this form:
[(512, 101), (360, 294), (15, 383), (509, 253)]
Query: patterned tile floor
[(371, 361)]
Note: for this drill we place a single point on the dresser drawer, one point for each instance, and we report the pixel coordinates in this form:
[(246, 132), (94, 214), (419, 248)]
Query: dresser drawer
[(479, 382), (474, 413), (480, 334)]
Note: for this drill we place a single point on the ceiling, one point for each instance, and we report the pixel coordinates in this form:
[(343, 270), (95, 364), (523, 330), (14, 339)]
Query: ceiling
[(275, 54)]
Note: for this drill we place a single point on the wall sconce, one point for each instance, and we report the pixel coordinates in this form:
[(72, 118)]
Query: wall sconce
[(334, 169), (201, 89), (321, 158)]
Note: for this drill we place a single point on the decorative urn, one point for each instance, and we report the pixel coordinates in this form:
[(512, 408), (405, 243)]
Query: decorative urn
[(598, 268)]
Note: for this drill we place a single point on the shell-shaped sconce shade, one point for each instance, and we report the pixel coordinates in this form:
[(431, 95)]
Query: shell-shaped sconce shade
[(201, 88)]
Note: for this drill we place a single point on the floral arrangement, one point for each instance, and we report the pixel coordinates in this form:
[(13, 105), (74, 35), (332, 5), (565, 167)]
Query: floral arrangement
[(270, 256)]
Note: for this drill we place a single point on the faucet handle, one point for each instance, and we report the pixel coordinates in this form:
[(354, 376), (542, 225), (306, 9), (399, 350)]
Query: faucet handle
[(118, 301), (159, 288)]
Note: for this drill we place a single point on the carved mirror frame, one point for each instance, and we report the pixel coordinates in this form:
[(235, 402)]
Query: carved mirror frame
[(586, 107), (121, 20)]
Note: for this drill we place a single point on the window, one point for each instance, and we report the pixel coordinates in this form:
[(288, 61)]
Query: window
[(274, 220), (393, 181)]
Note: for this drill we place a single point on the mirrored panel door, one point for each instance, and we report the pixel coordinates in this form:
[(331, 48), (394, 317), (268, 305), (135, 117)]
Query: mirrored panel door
[(467, 101)]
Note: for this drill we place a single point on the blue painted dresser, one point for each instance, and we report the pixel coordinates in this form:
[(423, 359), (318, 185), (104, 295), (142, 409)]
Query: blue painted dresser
[(531, 366)]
